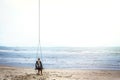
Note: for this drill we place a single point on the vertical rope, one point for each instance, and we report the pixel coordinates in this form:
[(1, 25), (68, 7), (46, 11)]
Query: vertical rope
[(39, 50), (39, 21)]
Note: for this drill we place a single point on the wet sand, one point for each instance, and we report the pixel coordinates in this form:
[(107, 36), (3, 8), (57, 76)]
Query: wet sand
[(15, 73)]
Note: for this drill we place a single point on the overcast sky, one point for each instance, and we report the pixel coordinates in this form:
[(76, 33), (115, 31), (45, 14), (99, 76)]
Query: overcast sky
[(72, 23)]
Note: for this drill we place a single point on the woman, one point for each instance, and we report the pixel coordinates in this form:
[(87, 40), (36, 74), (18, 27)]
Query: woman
[(38, 66)]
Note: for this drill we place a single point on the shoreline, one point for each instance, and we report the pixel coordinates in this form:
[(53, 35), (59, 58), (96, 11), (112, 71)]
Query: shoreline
[(18, 73)]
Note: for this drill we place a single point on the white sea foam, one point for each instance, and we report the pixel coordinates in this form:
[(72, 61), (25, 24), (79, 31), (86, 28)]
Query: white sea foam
[(108, 58)]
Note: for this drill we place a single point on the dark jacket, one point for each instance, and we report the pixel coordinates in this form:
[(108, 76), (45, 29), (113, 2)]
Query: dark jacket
[(38, 65)]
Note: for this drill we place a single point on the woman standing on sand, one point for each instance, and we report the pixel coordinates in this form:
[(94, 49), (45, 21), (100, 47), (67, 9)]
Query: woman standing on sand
[(38, 66)]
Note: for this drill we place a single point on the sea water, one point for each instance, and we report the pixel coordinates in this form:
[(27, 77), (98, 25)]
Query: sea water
[(107, 58)]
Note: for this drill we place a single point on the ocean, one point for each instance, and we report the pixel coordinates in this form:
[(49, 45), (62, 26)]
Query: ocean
[(102, 58)]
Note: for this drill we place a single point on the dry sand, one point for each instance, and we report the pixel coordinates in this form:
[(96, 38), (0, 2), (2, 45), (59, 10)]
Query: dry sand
[(12, 73)]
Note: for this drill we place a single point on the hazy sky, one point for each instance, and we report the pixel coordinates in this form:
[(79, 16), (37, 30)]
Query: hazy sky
[(63, 22)]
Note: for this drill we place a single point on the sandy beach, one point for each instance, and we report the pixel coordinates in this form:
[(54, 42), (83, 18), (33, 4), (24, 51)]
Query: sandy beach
[(15, 73)]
